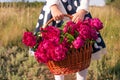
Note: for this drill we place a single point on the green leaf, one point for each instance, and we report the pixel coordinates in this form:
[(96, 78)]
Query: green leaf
[(61, 39), (62, 36), (62, 26), (70, 37), (76, 34)]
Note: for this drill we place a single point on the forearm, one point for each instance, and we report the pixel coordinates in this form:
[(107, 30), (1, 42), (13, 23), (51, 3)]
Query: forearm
[(54, 7), (56, 13), (81, 11)]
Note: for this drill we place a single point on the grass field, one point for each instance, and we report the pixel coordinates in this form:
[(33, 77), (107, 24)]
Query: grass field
[(17, 64)]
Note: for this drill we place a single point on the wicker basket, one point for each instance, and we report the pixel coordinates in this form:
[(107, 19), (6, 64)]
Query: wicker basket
[(75, 61)]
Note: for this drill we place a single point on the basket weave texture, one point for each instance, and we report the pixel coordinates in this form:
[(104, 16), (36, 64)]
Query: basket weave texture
[(67, 48), (75, 61)]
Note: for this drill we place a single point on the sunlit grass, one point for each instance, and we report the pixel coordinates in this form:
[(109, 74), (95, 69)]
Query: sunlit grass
[(14, 21), (22, 66), (111, 35)]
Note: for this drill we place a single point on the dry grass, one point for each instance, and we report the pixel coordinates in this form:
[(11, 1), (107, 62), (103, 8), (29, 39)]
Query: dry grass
[(14, 21)]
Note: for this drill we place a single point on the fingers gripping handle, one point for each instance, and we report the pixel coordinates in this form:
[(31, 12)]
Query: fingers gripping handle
[(65, 15)]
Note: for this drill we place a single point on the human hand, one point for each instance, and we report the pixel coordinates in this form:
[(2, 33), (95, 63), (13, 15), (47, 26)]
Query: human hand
[(79, 16), (56, 13)]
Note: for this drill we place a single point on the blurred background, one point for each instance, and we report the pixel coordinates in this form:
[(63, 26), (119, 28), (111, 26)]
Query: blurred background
[(17, 64), (92, 2)]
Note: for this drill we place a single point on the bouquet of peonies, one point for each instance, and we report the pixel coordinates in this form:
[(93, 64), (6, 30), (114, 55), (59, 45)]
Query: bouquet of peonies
[(53, 43)]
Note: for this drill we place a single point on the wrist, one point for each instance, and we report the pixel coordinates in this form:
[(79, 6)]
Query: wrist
[(82, 11), (53, 7)]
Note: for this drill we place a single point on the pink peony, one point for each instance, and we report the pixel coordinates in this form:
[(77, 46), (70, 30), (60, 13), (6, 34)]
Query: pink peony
[(29, 39), (96, 23), (78, 43), (59, 53), (55, 43), (50, 32), (94, 35), (66, 43), (70, 27), (41, 57), (79, 23), (51, 51), (85, 31), (85, 22), (42, 53)]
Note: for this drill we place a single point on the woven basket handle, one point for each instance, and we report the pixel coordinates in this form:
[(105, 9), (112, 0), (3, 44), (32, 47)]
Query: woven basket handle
[(65, 15)]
